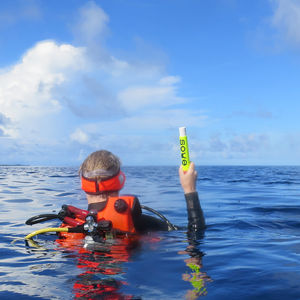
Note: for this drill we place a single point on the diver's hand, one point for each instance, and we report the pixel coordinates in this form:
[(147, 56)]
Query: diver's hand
[(188, 179)]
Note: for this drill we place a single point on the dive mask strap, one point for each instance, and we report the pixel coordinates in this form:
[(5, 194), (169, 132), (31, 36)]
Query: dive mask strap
[(95, 187)]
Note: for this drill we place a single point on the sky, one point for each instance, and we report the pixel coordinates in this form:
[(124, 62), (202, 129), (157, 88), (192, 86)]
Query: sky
[(78, 76)]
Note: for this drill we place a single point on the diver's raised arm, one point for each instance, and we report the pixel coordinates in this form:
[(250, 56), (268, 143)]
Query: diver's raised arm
[(188, 179)]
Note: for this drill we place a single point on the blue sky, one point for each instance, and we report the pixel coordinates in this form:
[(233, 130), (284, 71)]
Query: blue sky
[(78, 76)]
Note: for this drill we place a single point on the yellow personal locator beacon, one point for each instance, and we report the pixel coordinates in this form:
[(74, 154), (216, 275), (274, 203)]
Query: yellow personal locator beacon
[(184, 149)]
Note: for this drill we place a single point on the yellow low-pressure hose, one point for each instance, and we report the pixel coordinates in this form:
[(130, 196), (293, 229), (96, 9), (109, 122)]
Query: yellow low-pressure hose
[(44, 230)]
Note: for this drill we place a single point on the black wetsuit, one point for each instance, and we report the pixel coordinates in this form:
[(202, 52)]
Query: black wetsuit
[(145, 223)]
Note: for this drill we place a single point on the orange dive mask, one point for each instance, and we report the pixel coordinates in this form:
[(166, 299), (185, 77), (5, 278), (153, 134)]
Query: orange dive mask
[(112, 184)]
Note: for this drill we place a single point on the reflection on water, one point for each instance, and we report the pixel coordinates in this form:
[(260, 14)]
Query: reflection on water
[(250, 249), (195, 275), (101, 270)]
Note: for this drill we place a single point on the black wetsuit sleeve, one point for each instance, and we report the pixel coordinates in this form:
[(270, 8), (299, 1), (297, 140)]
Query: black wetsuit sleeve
[(196, 220), (196, 223), (145, 223)]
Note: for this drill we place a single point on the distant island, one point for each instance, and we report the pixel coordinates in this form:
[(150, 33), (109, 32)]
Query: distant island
[(13, 165)]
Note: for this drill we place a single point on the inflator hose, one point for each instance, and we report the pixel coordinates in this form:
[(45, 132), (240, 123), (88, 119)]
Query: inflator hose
[(41, 218), (44, 230)]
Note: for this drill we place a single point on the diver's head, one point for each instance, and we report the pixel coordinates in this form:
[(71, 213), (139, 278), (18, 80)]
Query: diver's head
[(101, 176), (100, 165)]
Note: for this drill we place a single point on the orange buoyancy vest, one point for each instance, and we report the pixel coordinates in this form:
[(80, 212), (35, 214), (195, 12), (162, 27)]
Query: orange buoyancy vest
[(118, 210)]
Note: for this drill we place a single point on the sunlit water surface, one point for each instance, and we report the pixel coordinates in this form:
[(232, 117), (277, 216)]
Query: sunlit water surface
[(250, 249)]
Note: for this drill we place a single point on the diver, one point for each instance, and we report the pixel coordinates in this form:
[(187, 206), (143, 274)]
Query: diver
[(110, 214), (102, 179)]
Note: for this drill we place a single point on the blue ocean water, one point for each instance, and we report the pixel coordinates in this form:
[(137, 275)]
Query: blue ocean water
[(249, 250)]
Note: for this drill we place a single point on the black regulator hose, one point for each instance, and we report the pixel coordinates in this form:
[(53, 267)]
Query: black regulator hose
[(170, 225), (41, 218)]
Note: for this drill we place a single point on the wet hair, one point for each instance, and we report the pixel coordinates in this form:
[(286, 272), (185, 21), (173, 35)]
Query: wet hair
[(100, 160)]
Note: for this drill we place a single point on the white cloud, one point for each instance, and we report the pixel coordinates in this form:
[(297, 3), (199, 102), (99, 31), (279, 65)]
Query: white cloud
[(169, 80), (287, 19), (54, 83), (244, 144), (160, 95), (79, 136), (26, 89), (248, 143), (91, 25)]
